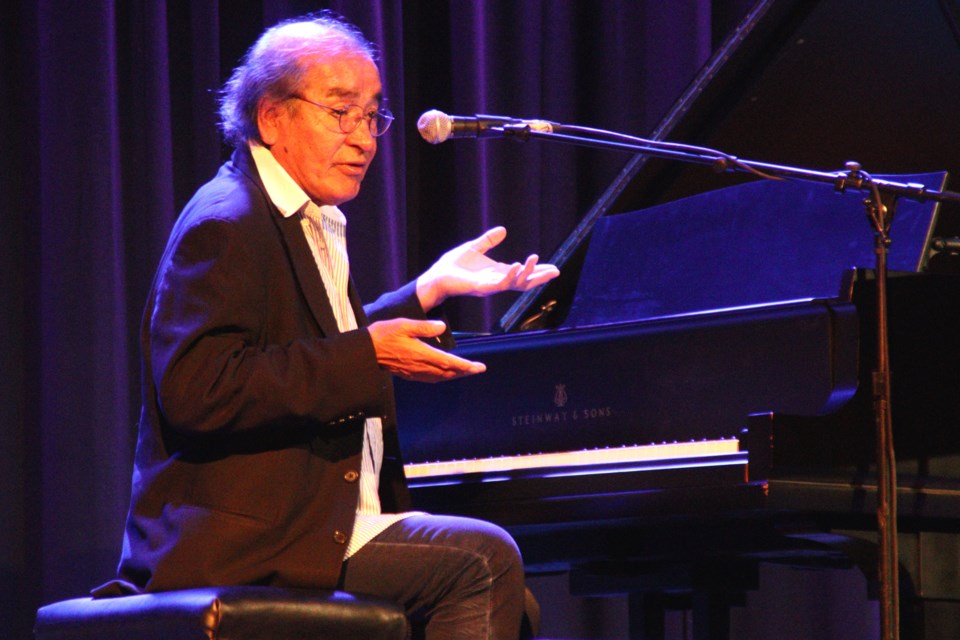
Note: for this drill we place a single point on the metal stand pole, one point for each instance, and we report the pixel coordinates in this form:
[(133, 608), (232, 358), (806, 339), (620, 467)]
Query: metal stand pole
[(882, 215)]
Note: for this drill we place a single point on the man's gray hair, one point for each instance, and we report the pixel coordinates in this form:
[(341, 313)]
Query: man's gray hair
[(277, 64)]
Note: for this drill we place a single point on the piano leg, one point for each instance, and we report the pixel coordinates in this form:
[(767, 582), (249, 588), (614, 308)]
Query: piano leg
[(710, 614), (647, 612), (929, 584), (932, 562), (929, 577), (707, 589)]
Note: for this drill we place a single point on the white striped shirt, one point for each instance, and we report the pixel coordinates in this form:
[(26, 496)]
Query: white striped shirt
[(325, 230)]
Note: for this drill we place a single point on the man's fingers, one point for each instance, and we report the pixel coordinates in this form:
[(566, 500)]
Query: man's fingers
[(490, 239), (401, 352), (543, 273), (510, 277), (425, 328), (434, 365), (531, 274), (528, 267)]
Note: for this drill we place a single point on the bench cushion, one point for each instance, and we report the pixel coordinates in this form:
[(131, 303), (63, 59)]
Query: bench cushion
[(229, 613)]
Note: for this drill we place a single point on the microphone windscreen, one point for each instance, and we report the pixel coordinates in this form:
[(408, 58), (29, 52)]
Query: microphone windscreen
[(434, 126)]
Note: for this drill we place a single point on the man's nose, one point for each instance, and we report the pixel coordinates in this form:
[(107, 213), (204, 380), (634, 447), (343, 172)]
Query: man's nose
[(362, 137)]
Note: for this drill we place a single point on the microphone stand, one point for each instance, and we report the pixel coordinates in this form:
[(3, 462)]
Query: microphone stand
[(880, 207)]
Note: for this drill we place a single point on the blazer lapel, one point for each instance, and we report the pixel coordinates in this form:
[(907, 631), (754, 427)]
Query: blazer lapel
[(357, 305), (305, 269), (298, 250)]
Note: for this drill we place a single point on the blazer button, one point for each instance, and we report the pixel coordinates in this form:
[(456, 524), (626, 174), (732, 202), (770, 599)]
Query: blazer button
[(339, 537), (351, 476)]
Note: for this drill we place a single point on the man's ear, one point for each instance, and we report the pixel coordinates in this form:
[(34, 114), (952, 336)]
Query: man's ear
[(269, 111)]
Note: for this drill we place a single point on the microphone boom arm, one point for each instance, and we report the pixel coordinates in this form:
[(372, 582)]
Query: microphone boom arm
[(852, 177)]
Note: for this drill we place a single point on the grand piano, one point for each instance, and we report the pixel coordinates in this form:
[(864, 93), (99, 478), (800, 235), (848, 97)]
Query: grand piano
[(692, 396)]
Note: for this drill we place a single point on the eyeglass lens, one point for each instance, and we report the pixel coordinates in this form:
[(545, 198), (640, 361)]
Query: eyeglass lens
[(351, 118)]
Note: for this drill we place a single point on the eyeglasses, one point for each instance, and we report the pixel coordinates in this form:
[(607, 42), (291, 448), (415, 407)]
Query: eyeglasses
[(350, 117)]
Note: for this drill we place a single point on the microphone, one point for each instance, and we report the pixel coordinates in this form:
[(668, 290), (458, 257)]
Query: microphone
[(436, 126)]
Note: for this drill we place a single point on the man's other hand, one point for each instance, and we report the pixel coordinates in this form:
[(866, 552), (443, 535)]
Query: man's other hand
[(467, 270), (402, 349)]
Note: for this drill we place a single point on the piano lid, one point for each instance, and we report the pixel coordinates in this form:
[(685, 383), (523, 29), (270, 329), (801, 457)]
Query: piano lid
[(751, 244), (806, 83)]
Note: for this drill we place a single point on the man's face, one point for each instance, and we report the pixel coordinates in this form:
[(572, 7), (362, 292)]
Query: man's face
[(329, 165)]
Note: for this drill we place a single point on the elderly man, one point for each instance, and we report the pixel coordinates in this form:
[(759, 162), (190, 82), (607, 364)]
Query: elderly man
[(268, 450)]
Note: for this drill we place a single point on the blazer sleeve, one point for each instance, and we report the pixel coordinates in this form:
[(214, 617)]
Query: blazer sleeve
[(404, 303)]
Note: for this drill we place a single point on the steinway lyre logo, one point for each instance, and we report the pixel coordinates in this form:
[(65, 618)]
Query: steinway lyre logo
[(562, 412), (560, 395)]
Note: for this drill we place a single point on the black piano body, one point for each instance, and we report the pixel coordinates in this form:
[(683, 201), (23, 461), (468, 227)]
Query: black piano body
[(692, 395), (750, 421)]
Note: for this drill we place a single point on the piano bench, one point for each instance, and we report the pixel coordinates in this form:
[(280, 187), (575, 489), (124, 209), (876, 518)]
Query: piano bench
[(237, 613)]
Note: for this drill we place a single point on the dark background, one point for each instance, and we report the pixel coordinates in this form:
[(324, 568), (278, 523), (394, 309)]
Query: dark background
[(108, 125)]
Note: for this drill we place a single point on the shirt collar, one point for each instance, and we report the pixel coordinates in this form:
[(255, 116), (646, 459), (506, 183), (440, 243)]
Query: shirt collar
[(285, 194), (283, 191)]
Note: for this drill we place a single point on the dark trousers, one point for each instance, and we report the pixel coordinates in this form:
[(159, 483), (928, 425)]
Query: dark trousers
[(457, 577)]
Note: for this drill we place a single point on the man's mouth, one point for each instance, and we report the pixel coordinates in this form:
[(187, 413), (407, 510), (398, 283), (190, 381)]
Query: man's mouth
[(353, 169)]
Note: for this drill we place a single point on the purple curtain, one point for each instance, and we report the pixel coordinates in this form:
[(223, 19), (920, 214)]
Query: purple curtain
[(110, 124)]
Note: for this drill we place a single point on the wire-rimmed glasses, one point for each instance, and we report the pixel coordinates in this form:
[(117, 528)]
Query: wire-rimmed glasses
[(350, 117)]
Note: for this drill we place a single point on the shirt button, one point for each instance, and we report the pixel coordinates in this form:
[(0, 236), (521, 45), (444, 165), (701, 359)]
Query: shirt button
[(339, 537), (351, 476)]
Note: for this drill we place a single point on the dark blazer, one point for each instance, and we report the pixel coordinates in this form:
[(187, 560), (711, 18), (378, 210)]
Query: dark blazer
[(251, 429)]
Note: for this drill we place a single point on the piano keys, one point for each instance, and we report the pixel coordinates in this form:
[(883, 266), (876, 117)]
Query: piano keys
[(570, 486), (563, 463)]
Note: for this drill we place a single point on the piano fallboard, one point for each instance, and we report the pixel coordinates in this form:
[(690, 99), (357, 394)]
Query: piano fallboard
[(635, 382)]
